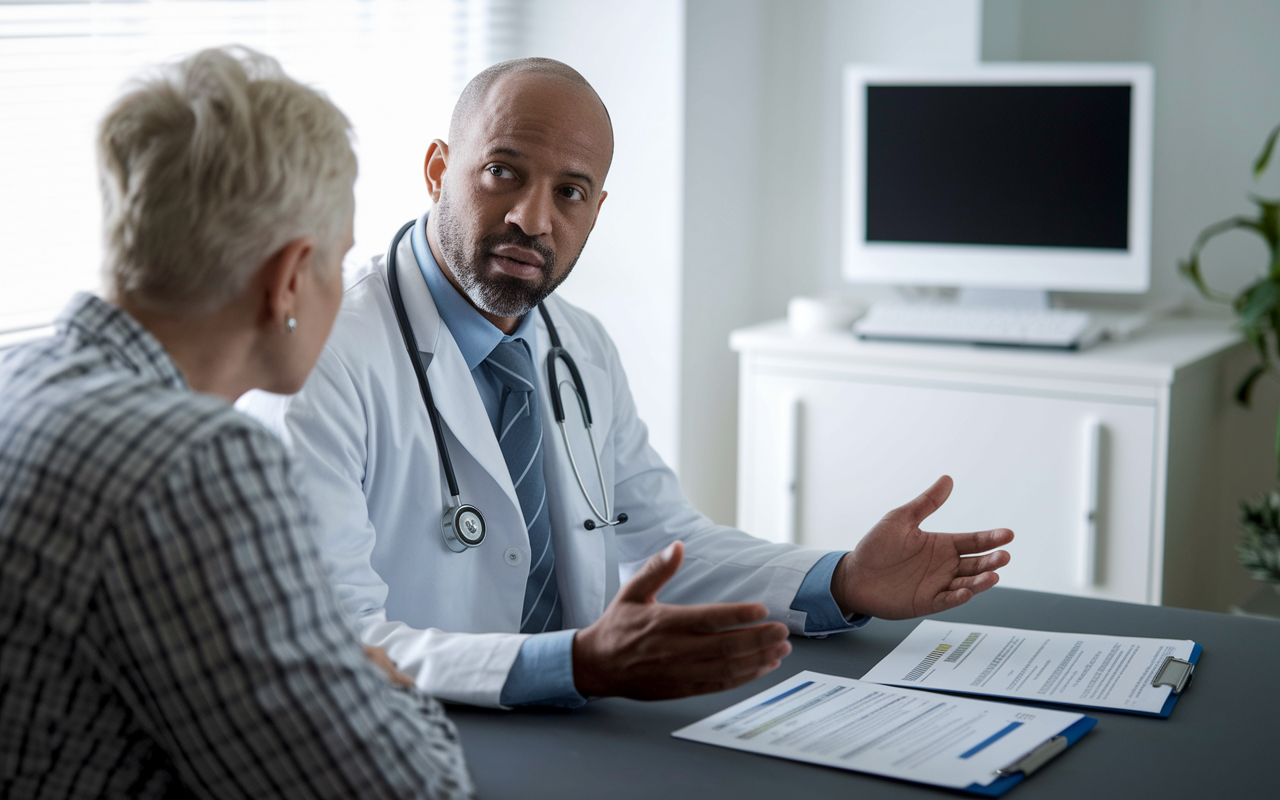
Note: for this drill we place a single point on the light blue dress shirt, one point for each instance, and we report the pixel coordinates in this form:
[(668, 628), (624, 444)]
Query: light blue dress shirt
[(543, 670)]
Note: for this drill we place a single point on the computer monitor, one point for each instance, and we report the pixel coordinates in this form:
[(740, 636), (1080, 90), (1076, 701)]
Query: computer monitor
[(1010, 176)]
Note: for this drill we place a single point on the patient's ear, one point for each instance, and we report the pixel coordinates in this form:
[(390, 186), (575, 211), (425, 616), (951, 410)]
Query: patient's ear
[(279, 279)]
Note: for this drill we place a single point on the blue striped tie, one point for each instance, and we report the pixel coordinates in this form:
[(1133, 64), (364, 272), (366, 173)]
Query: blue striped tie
[(520, 436)]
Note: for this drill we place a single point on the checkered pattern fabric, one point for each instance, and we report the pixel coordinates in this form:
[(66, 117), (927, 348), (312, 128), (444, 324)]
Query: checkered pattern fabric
[(166, 626)]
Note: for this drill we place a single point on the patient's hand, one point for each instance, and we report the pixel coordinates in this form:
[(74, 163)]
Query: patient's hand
[(898, 571), (380, 658)]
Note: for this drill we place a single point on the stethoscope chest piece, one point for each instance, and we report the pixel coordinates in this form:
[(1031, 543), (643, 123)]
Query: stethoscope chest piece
[(463, 527)]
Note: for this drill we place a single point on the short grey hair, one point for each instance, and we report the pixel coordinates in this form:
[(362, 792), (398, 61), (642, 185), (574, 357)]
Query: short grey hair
[(208, 166)]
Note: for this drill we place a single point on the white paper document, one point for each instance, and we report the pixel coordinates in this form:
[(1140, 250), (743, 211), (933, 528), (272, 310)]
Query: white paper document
[(900, 733), (1073, 668)]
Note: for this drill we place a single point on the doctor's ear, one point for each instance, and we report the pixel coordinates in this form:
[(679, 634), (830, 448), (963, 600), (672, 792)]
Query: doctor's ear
[(434, 167)]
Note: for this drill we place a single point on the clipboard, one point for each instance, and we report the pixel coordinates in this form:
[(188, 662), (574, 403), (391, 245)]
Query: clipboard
[(1044, 671), (1025, 767), (897, 733)]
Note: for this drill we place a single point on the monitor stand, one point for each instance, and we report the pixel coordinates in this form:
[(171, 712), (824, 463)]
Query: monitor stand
[(1027, 299)]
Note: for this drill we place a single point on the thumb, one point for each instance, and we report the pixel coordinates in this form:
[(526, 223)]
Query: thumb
[(919, 509), (644, 587)]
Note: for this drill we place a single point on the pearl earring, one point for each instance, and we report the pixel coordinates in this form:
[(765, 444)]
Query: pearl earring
[(291, 324)]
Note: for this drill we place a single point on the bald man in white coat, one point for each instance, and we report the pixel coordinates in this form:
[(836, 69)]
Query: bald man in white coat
[(536, 614)]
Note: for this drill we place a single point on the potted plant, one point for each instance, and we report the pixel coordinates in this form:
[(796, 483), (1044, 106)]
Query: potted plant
[(1257, 309)]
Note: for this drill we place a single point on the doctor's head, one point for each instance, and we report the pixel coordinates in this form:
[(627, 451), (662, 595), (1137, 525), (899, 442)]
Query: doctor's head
[(227, 194), (519, 185)]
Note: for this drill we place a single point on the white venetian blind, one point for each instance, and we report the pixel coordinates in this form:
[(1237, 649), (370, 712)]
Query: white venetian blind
[(389, 64)]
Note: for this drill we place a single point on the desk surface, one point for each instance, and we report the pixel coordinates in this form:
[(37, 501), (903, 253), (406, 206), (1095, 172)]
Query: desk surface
[(1221, 741)]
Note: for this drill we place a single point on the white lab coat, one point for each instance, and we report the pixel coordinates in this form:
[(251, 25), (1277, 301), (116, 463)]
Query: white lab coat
[(368, 458)]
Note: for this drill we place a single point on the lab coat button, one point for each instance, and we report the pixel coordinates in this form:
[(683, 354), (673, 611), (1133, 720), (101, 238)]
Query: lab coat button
[(514, 556)]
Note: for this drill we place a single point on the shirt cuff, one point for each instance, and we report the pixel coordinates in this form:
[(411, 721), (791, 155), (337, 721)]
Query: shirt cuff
[(542, 674), (815, 599)]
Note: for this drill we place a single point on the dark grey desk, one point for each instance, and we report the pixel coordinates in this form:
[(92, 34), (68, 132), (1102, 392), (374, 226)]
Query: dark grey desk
[(1223, 739)]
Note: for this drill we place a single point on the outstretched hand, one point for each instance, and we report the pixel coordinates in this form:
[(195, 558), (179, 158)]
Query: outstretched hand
[(646, 650), (898, 571)]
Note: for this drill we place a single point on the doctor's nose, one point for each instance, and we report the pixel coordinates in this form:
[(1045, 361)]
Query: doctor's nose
[(532, 212)]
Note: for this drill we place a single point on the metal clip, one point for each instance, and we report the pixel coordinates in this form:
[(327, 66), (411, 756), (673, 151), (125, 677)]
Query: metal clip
[(1174, 672), (1037, 758)]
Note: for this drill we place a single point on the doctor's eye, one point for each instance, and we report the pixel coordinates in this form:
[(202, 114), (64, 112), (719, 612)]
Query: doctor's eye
[(572, 193), (499, 171)]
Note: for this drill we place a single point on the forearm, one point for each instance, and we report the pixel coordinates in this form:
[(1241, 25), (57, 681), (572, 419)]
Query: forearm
[(468, 668)]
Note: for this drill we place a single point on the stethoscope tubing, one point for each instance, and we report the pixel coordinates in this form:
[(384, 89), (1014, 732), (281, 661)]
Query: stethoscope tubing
[(415, 356), (556, 353)]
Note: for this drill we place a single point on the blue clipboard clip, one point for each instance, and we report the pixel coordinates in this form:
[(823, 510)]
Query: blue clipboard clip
[(1174, 673)]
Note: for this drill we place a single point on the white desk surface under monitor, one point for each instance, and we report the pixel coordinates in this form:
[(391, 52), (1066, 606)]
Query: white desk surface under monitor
[(1118, 467)]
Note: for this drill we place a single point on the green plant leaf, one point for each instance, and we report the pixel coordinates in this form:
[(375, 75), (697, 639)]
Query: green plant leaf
[(1257, 301), (1269, 222), (1191, 267), (1260, 165), (1257, 338), (1244, 391)]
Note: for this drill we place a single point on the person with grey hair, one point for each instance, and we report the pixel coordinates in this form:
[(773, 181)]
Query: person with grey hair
[(166, 624), (483, 477)]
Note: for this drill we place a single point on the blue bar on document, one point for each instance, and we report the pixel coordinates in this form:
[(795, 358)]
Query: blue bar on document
[(977, 748), (785, 694)]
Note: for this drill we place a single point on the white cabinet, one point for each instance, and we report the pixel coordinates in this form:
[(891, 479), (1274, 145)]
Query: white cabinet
[(1070, 450)]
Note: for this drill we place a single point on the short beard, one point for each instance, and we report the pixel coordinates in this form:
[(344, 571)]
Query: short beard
[(500, 295)]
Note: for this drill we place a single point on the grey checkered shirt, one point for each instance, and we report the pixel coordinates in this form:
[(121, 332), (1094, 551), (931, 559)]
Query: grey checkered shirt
[(166, 627)]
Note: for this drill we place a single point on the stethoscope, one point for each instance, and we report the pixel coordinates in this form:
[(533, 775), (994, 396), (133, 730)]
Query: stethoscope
[(463, 525)]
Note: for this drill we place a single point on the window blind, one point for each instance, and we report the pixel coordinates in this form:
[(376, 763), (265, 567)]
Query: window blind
[(391, 65)]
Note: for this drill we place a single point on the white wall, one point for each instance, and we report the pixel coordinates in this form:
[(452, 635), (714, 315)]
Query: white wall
[(629, 274), (762, 179), (1217, 95)]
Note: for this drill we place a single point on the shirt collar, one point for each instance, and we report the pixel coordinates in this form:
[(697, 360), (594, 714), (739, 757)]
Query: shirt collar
[(112, 328), (475, 335)]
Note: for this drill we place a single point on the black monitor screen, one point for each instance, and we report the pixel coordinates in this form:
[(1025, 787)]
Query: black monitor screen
[(1038, 166)]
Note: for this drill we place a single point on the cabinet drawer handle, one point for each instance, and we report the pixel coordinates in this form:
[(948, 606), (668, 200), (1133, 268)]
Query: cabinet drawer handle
[(791, 471), (1089, 555)]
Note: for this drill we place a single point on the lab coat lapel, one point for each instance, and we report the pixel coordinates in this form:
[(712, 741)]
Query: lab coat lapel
[(453, 389), (579, 552)]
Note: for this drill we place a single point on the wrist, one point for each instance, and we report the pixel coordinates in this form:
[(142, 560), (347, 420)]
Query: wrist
[(841, 587), (586, 680)]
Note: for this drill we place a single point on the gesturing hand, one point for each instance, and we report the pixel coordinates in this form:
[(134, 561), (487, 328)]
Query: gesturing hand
[(647, 650), (898, 571)]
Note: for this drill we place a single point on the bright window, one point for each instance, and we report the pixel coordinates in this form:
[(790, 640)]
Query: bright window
[(388, 64)]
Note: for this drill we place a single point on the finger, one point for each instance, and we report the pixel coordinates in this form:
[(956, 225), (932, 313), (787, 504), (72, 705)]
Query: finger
[(713, 617), (724, 686), (644, 587), (980, 541), (963, 590), (380, 659), (685, 680), (731, 670), (974, 565), (728, 645), (919, 509)]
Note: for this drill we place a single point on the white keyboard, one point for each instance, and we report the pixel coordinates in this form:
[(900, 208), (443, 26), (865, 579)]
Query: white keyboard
[(1050, 327)]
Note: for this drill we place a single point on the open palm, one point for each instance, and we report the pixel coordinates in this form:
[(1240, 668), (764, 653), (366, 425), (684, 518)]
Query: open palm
[(898, 571)]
